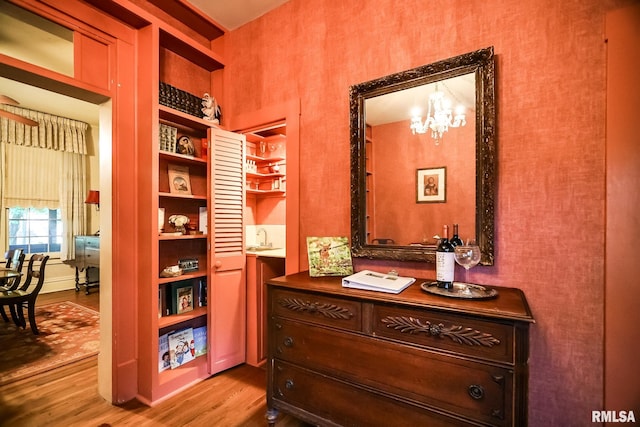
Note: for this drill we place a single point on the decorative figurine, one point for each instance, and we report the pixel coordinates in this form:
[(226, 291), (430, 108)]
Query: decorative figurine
[(211, 109), (179, 221)]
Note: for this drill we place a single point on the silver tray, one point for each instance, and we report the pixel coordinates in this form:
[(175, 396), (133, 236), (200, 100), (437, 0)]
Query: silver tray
[(460, 290)]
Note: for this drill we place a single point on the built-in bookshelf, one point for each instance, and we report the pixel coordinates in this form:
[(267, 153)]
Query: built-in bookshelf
[(175, 280)]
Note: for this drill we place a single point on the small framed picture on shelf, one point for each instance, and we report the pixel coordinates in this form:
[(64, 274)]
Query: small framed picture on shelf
[(431, 185), (183, 297), (179, 180), (185, 146), (188, 264)]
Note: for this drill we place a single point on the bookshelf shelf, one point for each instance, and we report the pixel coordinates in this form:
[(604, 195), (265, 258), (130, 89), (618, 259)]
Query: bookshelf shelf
[(176, 319)]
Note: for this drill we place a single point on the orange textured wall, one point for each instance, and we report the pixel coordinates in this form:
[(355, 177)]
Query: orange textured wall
[(551, 69)]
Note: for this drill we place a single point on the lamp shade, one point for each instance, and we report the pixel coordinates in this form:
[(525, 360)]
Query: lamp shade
[(93, 198)]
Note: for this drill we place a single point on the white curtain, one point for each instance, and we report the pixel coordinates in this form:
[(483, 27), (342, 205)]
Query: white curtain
[(45, 167), (52, 132), (73, 190), (32, 177)]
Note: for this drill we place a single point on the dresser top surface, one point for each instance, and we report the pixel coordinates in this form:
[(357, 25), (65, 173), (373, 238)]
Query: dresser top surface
[(509, 304)]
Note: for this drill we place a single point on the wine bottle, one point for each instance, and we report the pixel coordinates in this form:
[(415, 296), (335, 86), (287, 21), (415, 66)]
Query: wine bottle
[(455, 240), (445, 261)]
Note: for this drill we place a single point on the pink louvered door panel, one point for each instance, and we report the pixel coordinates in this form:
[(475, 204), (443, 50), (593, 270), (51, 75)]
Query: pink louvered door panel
[(228, 290)]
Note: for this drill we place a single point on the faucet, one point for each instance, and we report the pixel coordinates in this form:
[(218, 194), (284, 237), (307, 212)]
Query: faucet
[(260, 242)]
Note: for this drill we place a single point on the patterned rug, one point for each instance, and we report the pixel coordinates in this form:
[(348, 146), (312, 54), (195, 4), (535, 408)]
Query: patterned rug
[(68, 332)]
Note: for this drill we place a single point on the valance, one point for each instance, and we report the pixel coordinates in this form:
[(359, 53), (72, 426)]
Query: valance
[(53, 132)]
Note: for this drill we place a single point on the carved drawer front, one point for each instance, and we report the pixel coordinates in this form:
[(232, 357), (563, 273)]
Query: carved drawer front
[(475, 390), (474, 337), (346, 404), (320, 309)]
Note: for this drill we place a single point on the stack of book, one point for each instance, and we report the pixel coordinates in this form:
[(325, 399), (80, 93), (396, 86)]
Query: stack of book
[(179, 347)]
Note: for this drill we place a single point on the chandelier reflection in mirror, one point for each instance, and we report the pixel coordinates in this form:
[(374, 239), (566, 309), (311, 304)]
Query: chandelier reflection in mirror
[(439, 116)]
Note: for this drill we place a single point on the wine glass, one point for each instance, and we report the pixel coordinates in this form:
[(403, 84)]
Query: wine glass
[(467, 256)]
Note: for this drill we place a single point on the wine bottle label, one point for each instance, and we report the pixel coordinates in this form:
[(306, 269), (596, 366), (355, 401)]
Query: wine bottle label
[(445, 263)]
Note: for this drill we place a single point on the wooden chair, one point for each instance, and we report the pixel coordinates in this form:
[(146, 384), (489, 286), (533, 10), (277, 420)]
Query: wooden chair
[(12, 256), (15, 261), (26, 295)]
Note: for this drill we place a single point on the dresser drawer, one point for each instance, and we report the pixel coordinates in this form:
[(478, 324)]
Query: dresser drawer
[(92, 257), (475, 390), (460, 334), (92, 243), (319, 309), (329, 400)]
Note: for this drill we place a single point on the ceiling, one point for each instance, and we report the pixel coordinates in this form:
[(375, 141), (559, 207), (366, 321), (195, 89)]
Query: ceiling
[(232, 14)]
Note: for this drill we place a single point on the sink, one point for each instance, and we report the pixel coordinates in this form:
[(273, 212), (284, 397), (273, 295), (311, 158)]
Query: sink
[(260, 248)]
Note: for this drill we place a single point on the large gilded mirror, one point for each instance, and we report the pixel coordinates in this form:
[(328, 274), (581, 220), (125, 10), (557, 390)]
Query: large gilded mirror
[(422, 156)]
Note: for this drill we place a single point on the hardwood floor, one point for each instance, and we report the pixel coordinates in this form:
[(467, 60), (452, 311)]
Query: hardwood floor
[(68, 396)]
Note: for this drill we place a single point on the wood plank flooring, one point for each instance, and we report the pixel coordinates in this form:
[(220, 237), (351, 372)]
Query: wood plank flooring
[(68, 396)]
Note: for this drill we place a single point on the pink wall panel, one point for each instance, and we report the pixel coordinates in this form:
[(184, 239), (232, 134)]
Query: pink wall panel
[(550, 60), (623, 198)]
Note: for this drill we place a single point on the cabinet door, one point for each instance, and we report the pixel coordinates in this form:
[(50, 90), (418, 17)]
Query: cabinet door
[(228, 287)]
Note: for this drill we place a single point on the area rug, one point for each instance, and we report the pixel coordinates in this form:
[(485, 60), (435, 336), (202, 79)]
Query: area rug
[(68, 332)]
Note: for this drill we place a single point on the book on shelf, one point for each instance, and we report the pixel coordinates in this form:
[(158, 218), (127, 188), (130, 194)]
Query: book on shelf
[(182, 347), (380, 282), (162, 311), (202, 292), (200, 340), (202, 219), (164, 358)]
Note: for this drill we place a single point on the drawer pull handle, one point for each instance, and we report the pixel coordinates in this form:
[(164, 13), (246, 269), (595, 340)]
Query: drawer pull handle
[(476, 391), (288, 384), (331, 311), (499, 379), (456, 333), (288, 342)]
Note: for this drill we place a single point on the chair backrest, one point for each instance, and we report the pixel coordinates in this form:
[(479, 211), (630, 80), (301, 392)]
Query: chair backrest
[(17, 260), (13, 256), (17, 267), (35, 271)]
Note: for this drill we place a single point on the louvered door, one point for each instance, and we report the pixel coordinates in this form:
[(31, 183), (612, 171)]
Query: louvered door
[(227, 320)]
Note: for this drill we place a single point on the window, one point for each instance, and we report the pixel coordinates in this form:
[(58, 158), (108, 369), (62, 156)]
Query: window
[(35, 230)]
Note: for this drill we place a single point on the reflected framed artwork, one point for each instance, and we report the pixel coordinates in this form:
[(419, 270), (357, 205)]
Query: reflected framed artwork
[(431, 185)]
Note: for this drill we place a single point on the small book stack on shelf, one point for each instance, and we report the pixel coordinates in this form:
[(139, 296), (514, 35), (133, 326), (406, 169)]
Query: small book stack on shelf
[(180, 100), (179, 347)]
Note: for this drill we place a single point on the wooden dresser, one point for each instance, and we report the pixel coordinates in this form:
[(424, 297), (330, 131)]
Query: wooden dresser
[(339, 356)]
